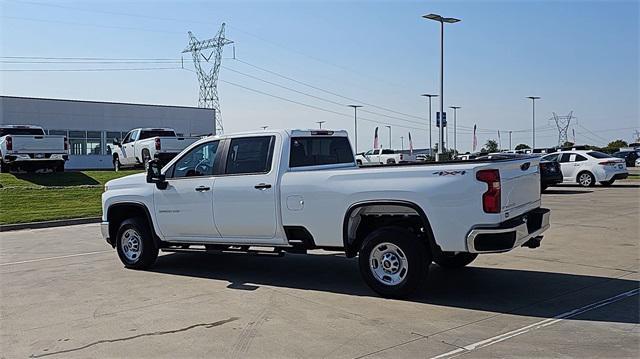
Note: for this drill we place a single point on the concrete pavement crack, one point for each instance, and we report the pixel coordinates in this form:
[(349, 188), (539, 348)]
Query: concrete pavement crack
[(205, 325)]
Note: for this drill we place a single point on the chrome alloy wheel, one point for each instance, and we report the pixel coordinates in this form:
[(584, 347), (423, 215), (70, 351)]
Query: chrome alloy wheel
[(131, 245), (388, 264), (585, 179)]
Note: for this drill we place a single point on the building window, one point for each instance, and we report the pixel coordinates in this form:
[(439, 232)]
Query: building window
[(94, 142)]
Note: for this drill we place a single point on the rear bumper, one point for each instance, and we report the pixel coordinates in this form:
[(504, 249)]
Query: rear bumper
[(165, 157), (620, 176), (35, 157), (551, 179), (509, 234)]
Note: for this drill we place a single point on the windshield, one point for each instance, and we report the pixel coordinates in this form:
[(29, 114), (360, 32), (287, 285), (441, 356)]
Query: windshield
[(596, 154), (21, 131), (156, 133)]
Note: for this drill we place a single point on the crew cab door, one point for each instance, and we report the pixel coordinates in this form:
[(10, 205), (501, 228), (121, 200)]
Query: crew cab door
[(245, 196), (184, 210), (128, 156)]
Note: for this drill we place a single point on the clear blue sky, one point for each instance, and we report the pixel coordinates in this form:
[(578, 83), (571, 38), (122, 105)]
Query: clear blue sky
[(578, 56)]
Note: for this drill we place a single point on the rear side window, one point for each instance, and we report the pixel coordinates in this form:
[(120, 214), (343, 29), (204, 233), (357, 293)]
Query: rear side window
[(315, 151), (596, 154), (156, 133), (580, 158), (250, 155), (564, 157), (21, 131)]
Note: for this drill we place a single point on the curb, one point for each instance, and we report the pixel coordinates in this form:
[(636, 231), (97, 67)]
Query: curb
[(48, 224)]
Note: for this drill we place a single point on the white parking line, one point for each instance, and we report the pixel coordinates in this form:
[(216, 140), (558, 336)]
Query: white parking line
[(538, 325), (52, 258)]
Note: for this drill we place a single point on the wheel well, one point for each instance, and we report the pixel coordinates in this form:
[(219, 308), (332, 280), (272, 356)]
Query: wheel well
[(364, 218), (119, 212), (115, 156)]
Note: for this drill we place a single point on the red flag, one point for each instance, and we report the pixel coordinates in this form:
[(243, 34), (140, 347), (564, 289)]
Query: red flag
[(375, 140), (475, 139), (410, 145)]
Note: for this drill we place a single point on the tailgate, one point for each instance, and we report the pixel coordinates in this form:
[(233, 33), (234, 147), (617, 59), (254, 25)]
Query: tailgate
[(38, 144), (520, 186), (169, 144)]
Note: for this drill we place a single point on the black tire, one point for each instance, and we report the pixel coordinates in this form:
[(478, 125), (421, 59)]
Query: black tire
[(410, 248), (359, 163), (146, 157), (3, 167), (455, 261), (586, 179), (543, 188), (607, 183), (117, 166), (59, 167), (142, 241)]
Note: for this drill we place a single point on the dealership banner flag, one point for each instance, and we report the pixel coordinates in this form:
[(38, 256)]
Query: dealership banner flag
[(475, 139), (375, 140), (410, 145)]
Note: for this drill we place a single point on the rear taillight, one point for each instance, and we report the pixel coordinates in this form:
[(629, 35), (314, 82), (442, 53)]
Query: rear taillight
[(66, 143), (608, 163), (157, 143), (9, 143), (491, 201)]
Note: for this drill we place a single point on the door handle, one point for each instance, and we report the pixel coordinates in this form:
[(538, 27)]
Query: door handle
[(262, 186), (202, 188)]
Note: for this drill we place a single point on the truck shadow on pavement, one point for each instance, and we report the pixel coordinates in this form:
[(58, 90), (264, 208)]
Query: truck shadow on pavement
[(505, 291), (564, 191), (57, 179)]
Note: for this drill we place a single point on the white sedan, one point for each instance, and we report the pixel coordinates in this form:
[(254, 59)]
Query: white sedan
[(588, 167)]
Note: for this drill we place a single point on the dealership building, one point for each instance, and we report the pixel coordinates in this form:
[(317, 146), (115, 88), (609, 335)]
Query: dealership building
[(91, 125)]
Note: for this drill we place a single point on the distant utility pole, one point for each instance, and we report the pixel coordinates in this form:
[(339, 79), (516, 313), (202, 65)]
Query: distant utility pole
[(355, 124), (510, 148), (533, 104), (209, 79), (563, 122), (389, 127), (430, 143), (455, 114), (402, 142), (441, 20), (320, 123), (264, 127)]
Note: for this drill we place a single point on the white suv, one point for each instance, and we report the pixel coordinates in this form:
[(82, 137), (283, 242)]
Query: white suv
[(588, 167)]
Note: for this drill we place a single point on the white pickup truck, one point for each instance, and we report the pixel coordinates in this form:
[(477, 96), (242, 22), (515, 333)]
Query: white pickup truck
[(141, 145), (295, 190), (27, 148), (383, 157)]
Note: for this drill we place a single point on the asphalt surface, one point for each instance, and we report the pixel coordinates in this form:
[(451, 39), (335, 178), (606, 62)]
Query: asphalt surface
[(64, 294)]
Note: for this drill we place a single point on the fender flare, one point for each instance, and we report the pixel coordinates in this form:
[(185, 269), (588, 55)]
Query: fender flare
[(156, 238)]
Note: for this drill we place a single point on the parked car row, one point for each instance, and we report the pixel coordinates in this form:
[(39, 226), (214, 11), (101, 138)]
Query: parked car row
[(381, 156), (589, 167), (27, 148)]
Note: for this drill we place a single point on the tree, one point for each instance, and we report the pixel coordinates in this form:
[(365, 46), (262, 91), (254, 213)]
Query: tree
[(617, 144), (490, 146), (522, 146)]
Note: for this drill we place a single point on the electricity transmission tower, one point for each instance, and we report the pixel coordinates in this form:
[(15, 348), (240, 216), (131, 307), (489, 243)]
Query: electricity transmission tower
[(562, 122), (208, 75)]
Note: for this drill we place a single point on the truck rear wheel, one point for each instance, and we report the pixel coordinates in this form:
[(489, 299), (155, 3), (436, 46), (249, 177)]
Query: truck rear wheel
[(393, 262), (116, 163), (135, 244), (455, 260)]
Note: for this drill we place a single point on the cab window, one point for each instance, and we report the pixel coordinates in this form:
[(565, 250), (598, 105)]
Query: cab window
[(250, 155), (127, 138), (316, 151), (199, 161)]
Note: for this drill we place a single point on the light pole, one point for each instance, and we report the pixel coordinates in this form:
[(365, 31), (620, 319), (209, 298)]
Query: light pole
[(455, 114), (430, 144), (389, 127), (441, 20), (355, 124), (533, 104), (402, 143), (320, 123), (510, 141)]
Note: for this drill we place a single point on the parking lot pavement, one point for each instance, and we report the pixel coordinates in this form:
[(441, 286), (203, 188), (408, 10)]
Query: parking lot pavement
[(64, 293)]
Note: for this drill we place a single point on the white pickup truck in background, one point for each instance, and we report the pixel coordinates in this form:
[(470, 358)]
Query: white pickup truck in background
[(141, 145), (383, 157), (295, 190), (27, 148)]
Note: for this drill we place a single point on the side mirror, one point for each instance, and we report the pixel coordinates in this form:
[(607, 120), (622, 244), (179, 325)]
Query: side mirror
[(154, 175), (116, 142)]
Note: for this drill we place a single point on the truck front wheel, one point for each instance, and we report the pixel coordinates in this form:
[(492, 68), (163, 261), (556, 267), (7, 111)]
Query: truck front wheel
[(454, 260), (135, 244), (393, 262)]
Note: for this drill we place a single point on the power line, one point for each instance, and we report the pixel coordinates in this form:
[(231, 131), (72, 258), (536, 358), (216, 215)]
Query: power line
[(91, 70)]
